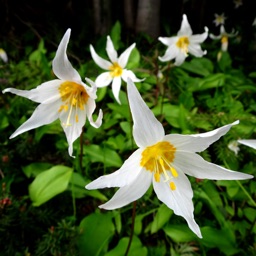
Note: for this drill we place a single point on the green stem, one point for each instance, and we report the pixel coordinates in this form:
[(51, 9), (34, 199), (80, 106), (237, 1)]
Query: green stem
[(73, 197), (246, 193)]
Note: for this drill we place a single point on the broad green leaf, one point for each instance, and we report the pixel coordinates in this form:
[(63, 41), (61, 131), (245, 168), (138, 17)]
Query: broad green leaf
[(96, 230), (161, 218), (136, 249), (49, 183), (32, 170), (250, 213), (115, 35), (134, 59)]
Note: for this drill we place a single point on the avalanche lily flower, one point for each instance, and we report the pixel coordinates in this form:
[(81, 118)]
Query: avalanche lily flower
[(249, 143), (238, 3), (66, 98), (3, 55), (254, 22), (163, 160), (185, 42), (219, 19), (233, 146), (223, 36), (116, 68)]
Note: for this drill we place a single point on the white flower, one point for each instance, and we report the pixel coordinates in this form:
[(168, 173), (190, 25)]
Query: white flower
[(223, 36), (179, 46), (116, 68), (249, 143), (66, 98), (163, 160), (254, 22), (233, 146), (219, 19), (237, 3), (3, 55)]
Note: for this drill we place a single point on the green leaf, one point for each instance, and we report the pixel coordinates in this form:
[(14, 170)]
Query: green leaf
[(136, 249), (162, 217), (250, 214), (103, 155), (134, 59), (96, 231), (49, 183), (115, 35), (32, 170)]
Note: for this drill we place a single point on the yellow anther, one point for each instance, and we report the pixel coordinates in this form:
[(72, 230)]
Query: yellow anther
[(157, 176), (77, 118), (224, 39), (116, 70), (183, 44), (172, 185), (174, 172), (74, 101)]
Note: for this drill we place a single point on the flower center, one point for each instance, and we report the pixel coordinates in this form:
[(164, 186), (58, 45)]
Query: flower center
[(158, 159), (183, 43), (115, 70), (74, 97), (224, 39)]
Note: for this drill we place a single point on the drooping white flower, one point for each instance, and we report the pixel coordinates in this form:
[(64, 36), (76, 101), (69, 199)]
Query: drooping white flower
[(66, 98), (238, 3), (249, 143), (116, 68), (223, 36), (185, 42), (233, 146), (219, 19), (163, 160), (3, 55)]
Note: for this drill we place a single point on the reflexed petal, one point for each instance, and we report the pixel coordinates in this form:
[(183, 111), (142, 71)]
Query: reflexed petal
[(90, 90), (123, 59), (171, 53), (194, 165), (62, 68), (129, 193), (147, 130), (198, 142), (179, 200), (104, 64), (168, 40), (103, 79), (128, 73), (112, 54), (122, 177), (197, 39), (195, 49), (74, 130), (180, 58), (89, 112), (212, 36), (43, 114), (44, 93), (185, 29), (249, 143), (116, 85)]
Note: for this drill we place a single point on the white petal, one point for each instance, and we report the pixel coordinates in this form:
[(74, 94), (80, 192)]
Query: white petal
[(194, 165), (171, 53), (249, 143), (185, 29), (92, 89), (3, 55), (212, 36), (112, 54), (116, 85), (197, 39), (195, 49), (89, 111), (62, 68), (179, 200), (43, 114), (44, 93), (122, 177), (128, 73), (123, 59), (168, 40), (180, 58), (74, 130), (129, 193), (197, 142), (104, 64), (103, 79), (147, 130)]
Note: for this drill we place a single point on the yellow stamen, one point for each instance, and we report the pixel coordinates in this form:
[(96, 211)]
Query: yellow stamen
[(174, 172), (157, 177), (172, 185), (74, 96), (224, 39), (116, 70), (183, 44)]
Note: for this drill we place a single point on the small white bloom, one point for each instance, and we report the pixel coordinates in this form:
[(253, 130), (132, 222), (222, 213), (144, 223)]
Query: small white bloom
[(116, 68), (219, 19), (163, 160), (249, 143), (233, 146), (223, 36), (238, 3), (179, 46), (66, 98), (3, 55), (254, 22)]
